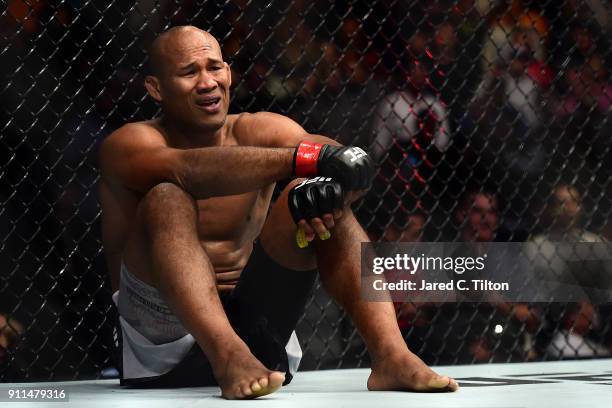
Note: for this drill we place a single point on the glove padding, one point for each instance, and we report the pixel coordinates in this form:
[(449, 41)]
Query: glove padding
[(350, 165), (314, 197)]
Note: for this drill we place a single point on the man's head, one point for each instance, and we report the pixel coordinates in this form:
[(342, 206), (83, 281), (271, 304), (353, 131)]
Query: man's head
[(189, 78), (478, 216), (10, 330), (565, 207)]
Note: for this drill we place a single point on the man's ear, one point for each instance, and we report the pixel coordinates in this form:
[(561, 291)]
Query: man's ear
[(229, 73), (153, 88)]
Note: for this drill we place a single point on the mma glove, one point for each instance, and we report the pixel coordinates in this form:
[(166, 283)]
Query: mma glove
[(314, 197), (349, 165)]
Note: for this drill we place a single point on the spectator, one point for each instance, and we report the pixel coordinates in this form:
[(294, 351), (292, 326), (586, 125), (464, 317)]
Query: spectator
[(411, 132), (473, 338), (506, 104), (508, 120), (10, 332), (583, 122), (562, 218), (570, 331), (478, 217)]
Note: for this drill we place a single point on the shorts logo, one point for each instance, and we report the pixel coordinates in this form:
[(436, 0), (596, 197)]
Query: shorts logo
[(356, 153)]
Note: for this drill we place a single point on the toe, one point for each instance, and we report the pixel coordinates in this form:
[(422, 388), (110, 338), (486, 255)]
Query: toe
[(439, 382), (255, 386), (276, 379), (246, 390), (267, 385), (453, 385)]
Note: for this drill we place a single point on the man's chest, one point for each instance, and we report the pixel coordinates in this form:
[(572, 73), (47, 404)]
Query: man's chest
[(233, 217)]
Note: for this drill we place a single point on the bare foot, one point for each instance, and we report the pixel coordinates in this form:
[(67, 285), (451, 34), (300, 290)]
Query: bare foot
[(407, 372), (242, 376)]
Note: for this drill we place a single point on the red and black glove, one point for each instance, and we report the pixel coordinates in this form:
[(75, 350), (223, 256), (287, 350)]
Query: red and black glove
[(350, 165)]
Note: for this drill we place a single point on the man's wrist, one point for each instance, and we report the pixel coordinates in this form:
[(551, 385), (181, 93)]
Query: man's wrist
[(305, 159)]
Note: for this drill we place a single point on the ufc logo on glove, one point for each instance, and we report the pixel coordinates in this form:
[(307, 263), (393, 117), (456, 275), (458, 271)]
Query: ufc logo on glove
[(356, 153)]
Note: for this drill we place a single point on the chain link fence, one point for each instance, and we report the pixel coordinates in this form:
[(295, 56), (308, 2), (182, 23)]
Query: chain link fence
[(489, 120)]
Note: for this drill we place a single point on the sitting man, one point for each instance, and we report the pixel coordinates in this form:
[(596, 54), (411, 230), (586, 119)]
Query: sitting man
[(210, 285)]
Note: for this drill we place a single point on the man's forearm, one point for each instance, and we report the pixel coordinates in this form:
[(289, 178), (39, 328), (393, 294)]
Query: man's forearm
[(219, 171)]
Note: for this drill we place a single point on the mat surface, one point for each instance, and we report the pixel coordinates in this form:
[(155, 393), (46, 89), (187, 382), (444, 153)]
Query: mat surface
[(555, 384)]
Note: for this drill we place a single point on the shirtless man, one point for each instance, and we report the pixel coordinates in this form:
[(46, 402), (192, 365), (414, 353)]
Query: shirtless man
[(199, 263)]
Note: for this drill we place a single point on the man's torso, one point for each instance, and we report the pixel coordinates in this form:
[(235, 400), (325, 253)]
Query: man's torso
[(227, 225)]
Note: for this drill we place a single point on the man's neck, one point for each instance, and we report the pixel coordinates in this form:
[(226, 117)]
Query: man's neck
[(186, 137)]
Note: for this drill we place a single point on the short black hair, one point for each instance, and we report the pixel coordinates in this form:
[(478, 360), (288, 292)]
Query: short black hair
[(155, 62)]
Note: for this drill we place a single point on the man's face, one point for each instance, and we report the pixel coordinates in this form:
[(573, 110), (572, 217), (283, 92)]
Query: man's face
[(482, 219), (9, 334), (566, 207), (193, 80)]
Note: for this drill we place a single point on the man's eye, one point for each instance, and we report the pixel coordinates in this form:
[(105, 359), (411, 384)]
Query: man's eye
[(215, 68), (188, 73)]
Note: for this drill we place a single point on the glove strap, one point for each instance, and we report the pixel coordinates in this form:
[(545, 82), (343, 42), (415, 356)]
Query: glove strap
[(305, 159)]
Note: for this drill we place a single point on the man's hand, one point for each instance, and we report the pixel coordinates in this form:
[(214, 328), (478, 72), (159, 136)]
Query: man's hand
[(350, 165), (314, 205)]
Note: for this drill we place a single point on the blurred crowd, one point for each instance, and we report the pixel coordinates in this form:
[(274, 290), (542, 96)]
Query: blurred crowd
[(488, 120)]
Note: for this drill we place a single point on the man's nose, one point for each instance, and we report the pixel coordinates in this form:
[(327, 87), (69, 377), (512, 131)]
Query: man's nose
[(206, 83)]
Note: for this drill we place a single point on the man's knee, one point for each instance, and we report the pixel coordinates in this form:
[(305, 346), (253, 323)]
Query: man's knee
[(164, 204), (279, 234)]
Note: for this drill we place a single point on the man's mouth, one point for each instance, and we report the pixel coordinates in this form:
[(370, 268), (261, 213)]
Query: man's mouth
[(209, 104)]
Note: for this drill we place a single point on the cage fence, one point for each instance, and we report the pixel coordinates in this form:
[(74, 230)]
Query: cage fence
[(488, 121)]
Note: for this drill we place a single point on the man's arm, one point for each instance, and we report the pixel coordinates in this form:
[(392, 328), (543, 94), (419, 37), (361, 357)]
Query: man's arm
[(316, 155), (273, 130), (137, 157)]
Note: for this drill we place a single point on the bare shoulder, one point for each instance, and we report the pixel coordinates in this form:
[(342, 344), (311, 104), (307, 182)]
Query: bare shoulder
[(136, 133), (129, 139), (267, 129)]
